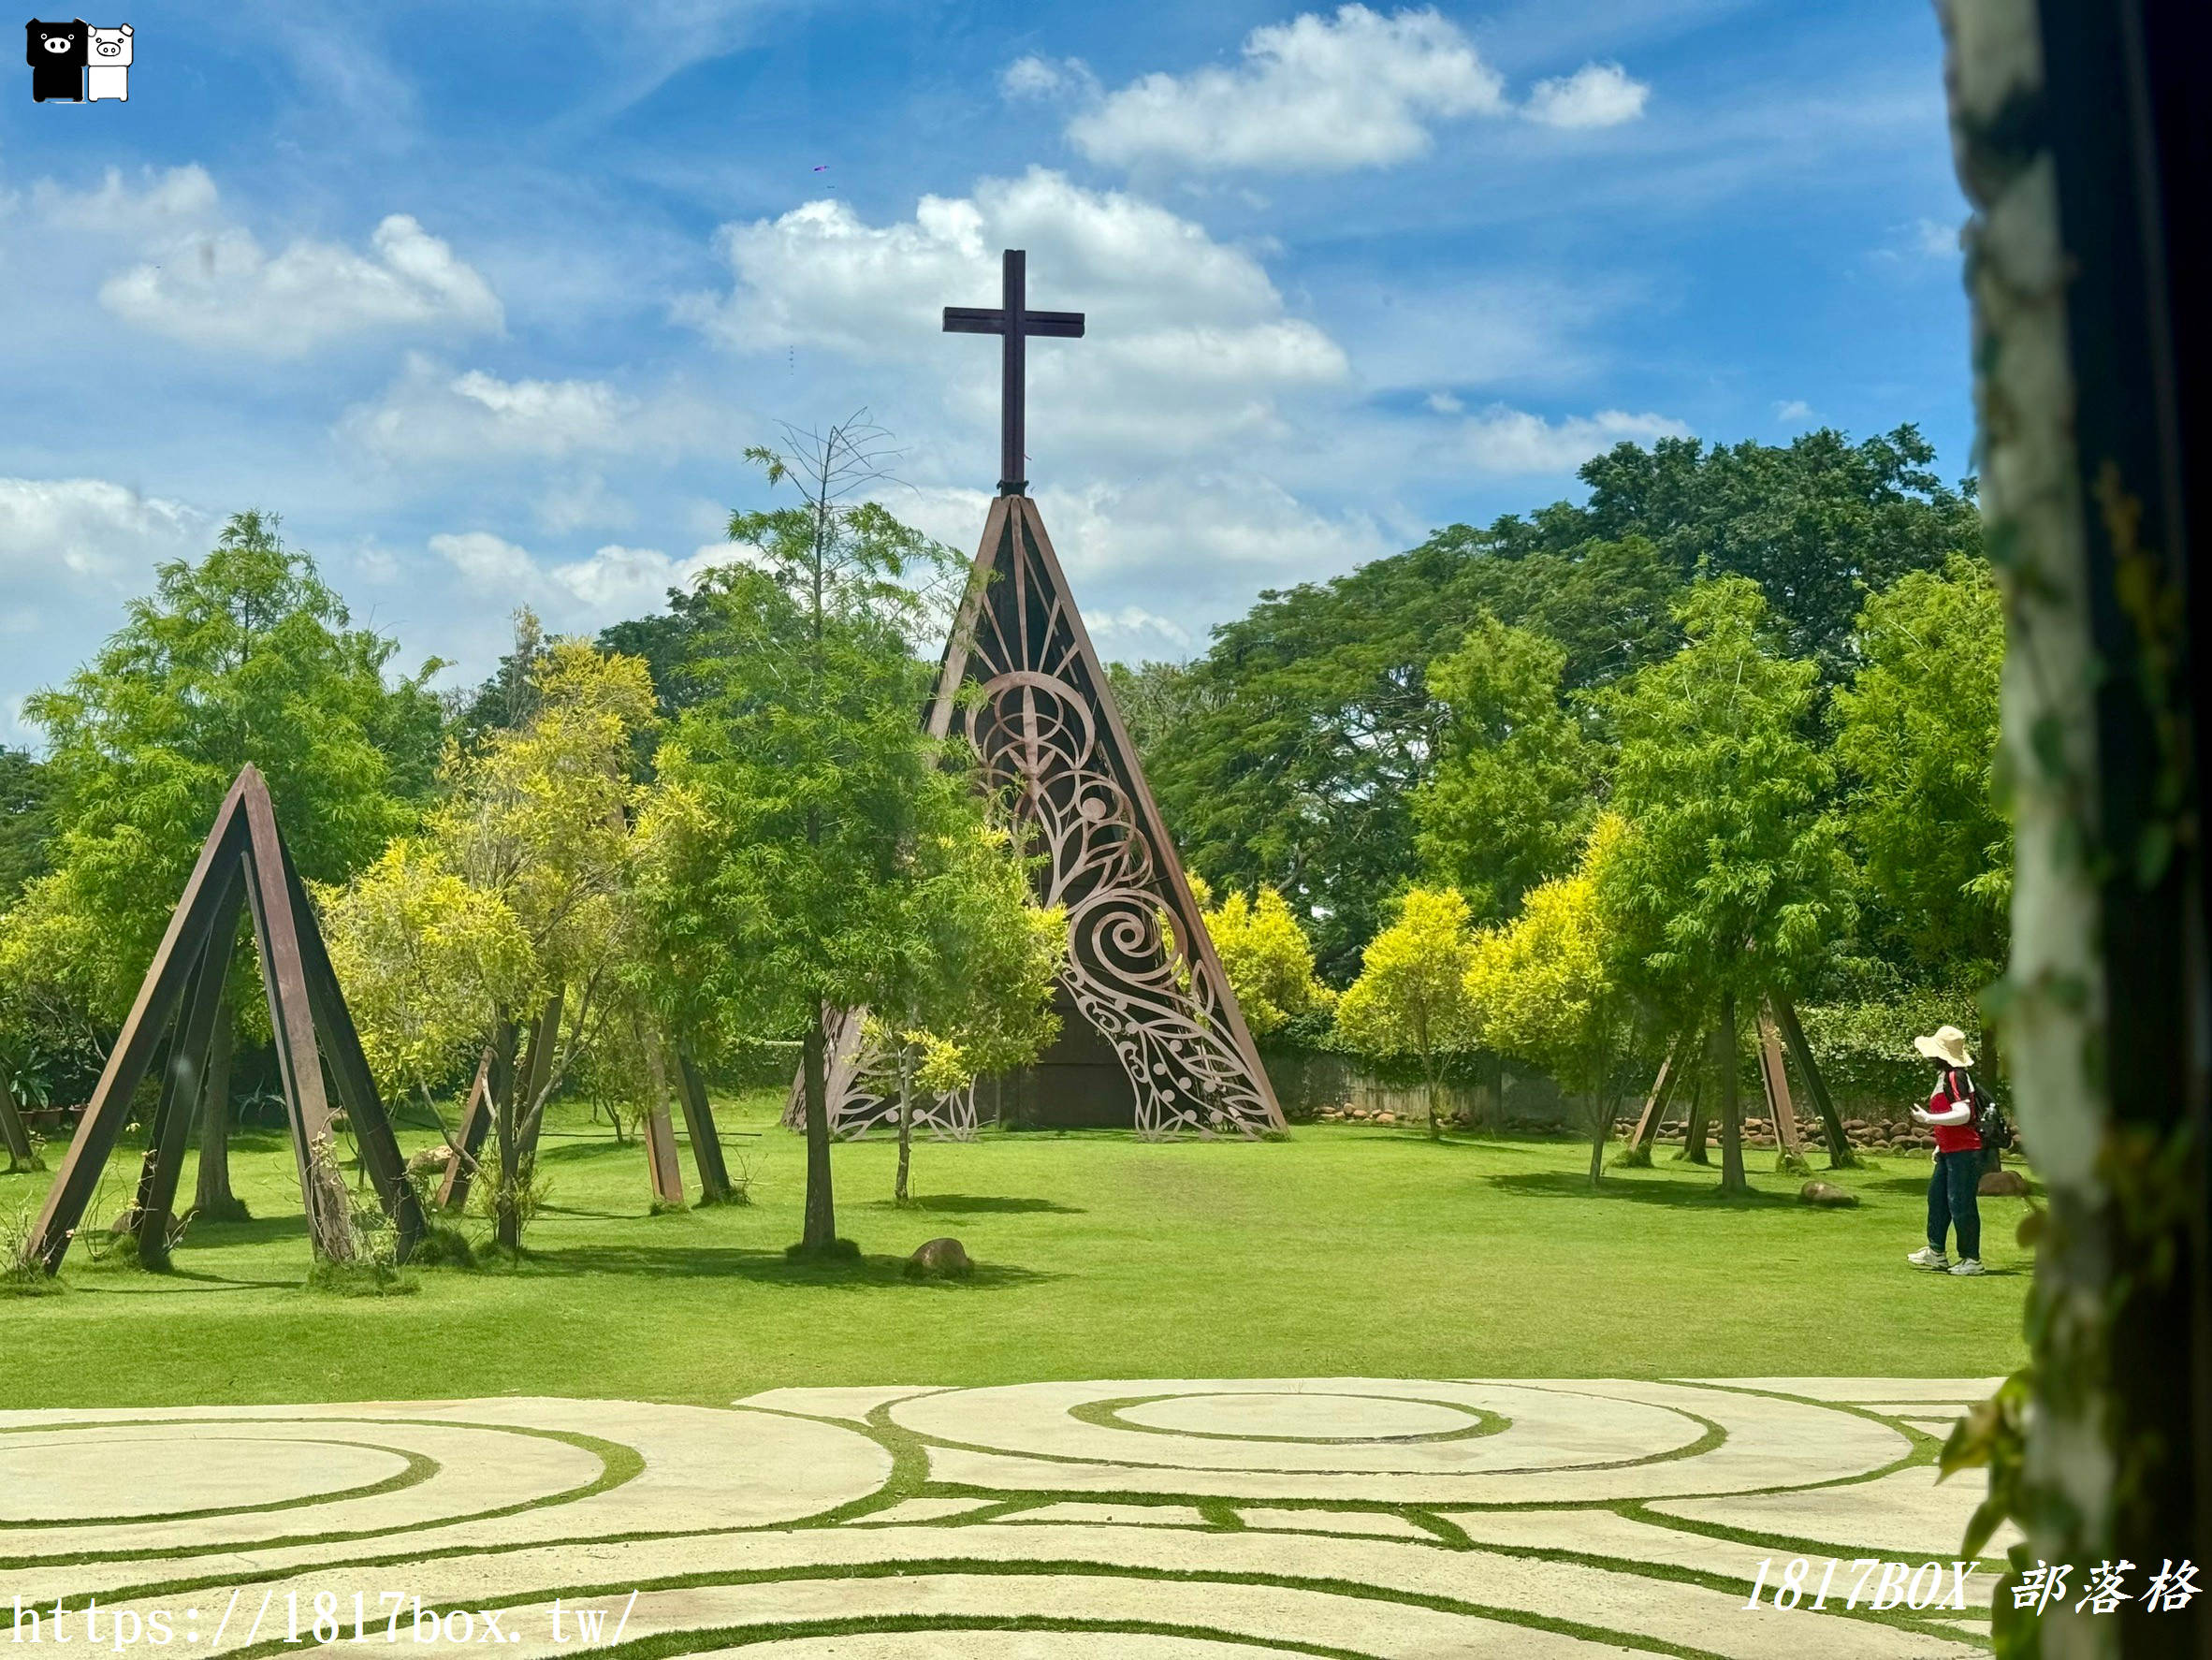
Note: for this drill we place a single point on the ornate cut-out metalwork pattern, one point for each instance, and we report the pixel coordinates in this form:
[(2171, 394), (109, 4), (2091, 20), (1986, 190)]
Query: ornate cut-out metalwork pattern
[(1140, 969), (862, 1087)]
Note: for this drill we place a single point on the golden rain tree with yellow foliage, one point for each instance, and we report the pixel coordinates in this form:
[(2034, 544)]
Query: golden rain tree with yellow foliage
[(1410, 1000), (1266, 956), (514, 913), (1541, 990)]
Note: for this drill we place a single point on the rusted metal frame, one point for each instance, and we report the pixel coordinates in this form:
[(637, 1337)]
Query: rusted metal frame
[(186, 1077), (1793, 1037), (181, 946), (1781, 1111), (952, 667), (292, 1030), (1661, 1092), (537, 1067), (349, 1068), (1697, 1121), (1183, 908), (706, 1147), (460, 1170), (15, 1135)]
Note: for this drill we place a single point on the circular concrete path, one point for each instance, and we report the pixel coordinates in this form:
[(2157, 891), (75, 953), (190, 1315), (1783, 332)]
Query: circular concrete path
[(1141, 1519)]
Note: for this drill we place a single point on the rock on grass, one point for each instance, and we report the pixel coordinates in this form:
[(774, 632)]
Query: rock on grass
[(940, 1259), (1826, 1195)]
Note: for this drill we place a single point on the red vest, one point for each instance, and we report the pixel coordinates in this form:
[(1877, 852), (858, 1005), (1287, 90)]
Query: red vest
[(1951, 1091)]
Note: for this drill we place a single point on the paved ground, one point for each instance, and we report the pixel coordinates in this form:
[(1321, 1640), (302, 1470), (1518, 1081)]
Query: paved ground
[(1145, 1519)]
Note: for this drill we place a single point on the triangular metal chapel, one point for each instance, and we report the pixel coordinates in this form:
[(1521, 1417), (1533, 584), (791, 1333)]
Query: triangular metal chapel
[(244, 861), (1151, 1031)]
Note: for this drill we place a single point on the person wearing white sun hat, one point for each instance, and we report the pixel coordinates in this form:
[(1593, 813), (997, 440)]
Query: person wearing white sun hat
[(1958, 1159)]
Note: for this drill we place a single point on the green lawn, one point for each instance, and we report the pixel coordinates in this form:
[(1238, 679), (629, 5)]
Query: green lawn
[(1348, 1249)]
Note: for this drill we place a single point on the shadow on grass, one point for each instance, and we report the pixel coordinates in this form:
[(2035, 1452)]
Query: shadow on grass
[(766, 1268), (253, 1230), (573, 1150), (1638, 1190), (978, 1204)]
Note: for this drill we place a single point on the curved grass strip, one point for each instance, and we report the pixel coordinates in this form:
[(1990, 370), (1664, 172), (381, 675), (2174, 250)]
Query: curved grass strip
[(672, 1645), (1106, 1415), (1712, 1436), (619, 1464), (419, 1468), (695, 1640)]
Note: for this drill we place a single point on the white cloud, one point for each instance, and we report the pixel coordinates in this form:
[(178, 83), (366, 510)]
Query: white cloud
[(1594, 95), (429, 414), (1134, 624), (70, 550), (164, 203), (1445, 403), (60, 536), (1317, 94), (219, 288), (1033, 77), (575, 595), (1188, 341), (1936, 239), (1793, 409), (1505, 441)]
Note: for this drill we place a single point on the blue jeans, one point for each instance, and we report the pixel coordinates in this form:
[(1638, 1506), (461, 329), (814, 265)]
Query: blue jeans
[(1951, 1201)]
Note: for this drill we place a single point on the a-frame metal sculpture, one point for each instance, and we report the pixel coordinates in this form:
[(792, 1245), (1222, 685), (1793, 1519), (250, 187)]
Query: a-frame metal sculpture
[(1022, 683), (244, 862), (658, 1134), (1777, 1030)]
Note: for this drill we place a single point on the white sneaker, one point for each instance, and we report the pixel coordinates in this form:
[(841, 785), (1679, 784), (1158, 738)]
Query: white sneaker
[(1966, 1265), (1928, 1257)]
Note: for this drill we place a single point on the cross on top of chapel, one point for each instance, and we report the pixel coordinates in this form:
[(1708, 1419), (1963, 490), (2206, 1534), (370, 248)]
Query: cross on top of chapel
[(1014, 322)]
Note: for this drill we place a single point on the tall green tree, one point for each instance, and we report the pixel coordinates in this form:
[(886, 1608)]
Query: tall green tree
[(1156, 699), (1817, 523), (803, 798), (1733, 879), (26, 826), (1307, 725), (1511, 790), (245, 656), (1915, 731), (1292, 756)]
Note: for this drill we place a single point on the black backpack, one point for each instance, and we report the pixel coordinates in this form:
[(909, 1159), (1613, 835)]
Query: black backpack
[(1989, 1121)]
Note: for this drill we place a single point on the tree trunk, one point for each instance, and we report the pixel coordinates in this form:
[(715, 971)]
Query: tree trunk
[(2078, 134), (707, 1146), (821, 1214), (1601, 1131), (211, 1198), (1723, 1060), (17, 1138), (537, 1073), (1428, 1076), (906, 1121), (506, 1201), (1694, 1128)]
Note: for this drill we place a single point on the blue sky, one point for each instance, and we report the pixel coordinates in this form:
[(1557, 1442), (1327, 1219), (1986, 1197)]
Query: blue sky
[(485, 301)]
